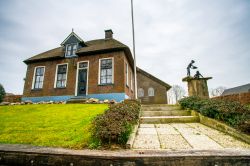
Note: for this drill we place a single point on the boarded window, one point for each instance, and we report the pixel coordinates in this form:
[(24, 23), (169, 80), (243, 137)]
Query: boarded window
[(61, 76), (140, 92), (106, 71), (39, 77), (151, 91)]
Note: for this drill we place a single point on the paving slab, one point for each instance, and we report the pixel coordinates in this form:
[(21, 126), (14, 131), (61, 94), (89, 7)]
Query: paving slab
[(165, 129), (144, 141), (147, 125), (221, 138), (147, 131), (184, 136), (173, 142)]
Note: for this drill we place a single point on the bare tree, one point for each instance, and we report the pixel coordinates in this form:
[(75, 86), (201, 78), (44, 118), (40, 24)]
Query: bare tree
[(217, 91), (175, 94)]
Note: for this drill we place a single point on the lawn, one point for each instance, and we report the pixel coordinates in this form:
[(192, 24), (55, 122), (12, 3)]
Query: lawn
[(56, 125)]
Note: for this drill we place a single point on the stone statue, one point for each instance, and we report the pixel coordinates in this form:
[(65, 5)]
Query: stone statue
[(198, 75), (190, 66)]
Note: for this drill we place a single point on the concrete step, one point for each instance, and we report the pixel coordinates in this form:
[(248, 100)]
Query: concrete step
[(169, 119), (166, 113), (160, 108)]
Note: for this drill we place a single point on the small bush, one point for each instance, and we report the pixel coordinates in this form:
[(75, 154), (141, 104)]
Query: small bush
[(116, 124), (232, 113), (2, 93)]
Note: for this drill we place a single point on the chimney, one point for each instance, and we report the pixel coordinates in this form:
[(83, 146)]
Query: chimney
[(108, 34)]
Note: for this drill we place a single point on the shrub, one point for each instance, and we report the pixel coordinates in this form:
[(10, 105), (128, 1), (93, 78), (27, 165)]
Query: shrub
[(2, 93), (230, 112), (116, 124)]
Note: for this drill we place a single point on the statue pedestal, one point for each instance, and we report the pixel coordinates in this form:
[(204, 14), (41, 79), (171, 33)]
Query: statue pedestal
[(197, 86)]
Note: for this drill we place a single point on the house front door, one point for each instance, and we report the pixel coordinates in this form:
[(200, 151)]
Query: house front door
[(82, 79)]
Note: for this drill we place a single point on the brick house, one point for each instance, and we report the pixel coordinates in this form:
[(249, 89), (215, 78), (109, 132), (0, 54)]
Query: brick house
[(100, 69)]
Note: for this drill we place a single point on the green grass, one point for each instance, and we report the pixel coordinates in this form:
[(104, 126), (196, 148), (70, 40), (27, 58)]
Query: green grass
[(64, 125)]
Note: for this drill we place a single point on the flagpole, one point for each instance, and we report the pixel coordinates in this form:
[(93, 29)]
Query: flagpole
[(133, 32)]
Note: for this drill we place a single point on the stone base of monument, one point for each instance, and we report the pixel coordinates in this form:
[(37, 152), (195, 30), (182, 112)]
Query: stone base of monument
[(197, 86)]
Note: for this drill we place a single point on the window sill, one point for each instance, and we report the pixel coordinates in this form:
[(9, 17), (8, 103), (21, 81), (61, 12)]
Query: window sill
[(36, 89), (72, 56), (105, 84), (60, 88)]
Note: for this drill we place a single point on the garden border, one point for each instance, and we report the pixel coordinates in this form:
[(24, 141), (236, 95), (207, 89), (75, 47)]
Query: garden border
[(221, 127)]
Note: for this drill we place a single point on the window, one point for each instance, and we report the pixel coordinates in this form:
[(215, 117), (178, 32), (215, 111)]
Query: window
[(70, 50), (126, 74), (38, 78), (140, 92), (106, 71), (61, 76), (151, 91), (131, 80)]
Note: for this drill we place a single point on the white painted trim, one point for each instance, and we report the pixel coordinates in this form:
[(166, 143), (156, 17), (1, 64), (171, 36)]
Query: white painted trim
[(33, 81), (131, 80), (66, 75), (126, 73), (71, 34), (77, 73), (99, 70)]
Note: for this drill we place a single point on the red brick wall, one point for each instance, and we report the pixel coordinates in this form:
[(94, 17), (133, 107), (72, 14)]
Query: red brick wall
[(12, 98), (243, 98), (93, 87)]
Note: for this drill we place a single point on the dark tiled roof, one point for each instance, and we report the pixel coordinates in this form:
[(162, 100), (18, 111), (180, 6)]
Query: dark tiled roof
[(93, 46), (51, 54), (153, 78), (101, 44), (236, 90)]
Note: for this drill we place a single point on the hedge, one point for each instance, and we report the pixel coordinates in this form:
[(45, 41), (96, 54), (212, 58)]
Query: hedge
[(116, 124), (232, 113)]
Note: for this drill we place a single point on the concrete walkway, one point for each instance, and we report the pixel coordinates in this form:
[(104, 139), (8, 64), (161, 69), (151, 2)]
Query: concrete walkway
[(177, 135)]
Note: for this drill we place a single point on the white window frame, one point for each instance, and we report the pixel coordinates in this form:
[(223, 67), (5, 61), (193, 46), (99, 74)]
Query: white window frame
[(99, 70), (34, 75), (126, 73), (77, 72), (131, 80), (151, 89), (66, 49), (143, 93), (66, 75)]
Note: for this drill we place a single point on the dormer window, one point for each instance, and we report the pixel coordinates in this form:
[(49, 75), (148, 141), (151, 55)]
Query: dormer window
[(71, 50)]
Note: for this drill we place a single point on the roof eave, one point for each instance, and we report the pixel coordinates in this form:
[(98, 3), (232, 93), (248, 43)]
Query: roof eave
[(167, 86)]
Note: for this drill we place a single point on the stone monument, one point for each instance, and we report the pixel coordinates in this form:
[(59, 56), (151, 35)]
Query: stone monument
[(197, 85)]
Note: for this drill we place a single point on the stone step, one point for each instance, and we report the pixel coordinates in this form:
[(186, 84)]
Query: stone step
[(169, 119), (76, 100), (166, 113)]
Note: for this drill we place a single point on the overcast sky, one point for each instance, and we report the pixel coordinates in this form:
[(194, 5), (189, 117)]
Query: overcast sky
[(169, 34)]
